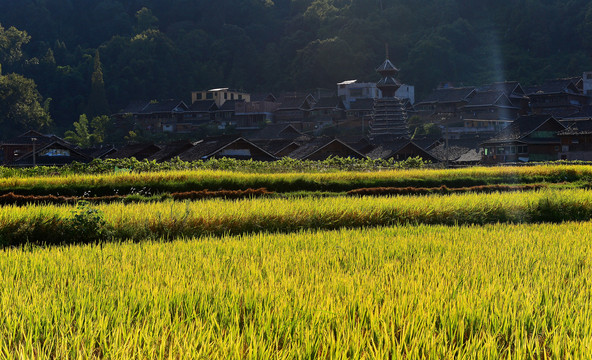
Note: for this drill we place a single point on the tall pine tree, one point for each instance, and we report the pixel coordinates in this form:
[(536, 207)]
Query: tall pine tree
[(97, 101)]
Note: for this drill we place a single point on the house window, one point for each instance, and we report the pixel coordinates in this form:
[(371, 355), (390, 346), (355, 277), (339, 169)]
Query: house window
[(198, 96), (55, 152), (209, 96), (225, 96), (235, 152), (556, 147), (231, 96), (240, 97)]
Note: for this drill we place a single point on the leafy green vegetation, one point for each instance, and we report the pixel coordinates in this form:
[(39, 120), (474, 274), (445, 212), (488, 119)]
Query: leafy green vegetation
[(161, 49)]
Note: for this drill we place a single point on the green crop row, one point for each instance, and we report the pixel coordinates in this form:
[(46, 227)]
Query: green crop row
[(195, 180), (99, 166), (425, 292), (67, 224)]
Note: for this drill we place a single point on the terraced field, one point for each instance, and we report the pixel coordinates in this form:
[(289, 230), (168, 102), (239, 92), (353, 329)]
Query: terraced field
[(303, 269), (410, 291)]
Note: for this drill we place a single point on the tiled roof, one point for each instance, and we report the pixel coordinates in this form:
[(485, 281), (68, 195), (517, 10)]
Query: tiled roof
[(309, 148), (449, 95), (578, 128), (203, 106), (133, 150), (554, 86), (485, 98), (520, 128), (471, 156), (276, 131), (387, 150), (135, 107), (170, 150), (163, 106), (273, 146), (387, 65), (329, 103), (229, 105), (40, 139), (263, 97), (293, 100), (452, 153), (507, 87)]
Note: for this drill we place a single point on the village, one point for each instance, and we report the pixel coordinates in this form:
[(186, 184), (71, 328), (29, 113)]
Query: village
[(498, 123)]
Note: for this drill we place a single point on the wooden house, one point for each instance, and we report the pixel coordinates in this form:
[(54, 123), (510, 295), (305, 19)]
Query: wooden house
[(228, 146), (444, 103), (513, 91), (529, 138), (558, 97), (294, 108), (576, 141), (138, 151), (35, 149), (400, 150), (323, 147)]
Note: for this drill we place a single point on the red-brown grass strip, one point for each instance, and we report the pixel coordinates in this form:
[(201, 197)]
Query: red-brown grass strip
[(15, 199), (226, 194), (385, 191)]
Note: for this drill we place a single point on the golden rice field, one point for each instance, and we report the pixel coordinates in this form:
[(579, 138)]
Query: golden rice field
[(461, 275), (493, 291), (333, 181), (170, 219)]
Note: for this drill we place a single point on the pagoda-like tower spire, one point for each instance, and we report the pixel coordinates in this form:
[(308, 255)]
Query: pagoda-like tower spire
[(389, 117), (388, 84)]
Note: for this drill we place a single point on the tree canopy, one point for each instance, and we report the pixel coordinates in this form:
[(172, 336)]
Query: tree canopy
[(159, 49)]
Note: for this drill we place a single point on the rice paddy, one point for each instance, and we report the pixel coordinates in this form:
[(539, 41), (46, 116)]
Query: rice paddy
[(519, 291), (451, 274), (192, 180)]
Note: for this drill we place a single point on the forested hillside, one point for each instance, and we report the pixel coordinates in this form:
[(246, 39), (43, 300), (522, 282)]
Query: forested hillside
[(155, 49)]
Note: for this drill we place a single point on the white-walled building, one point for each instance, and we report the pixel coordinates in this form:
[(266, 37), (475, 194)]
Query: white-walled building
[(351, 90)]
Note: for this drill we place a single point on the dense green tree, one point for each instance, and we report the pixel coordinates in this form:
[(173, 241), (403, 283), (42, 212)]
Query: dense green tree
[(81, 134), (145, 21), (97, 101), (11, 43), (21, 106), (86, 135), (164, 49)]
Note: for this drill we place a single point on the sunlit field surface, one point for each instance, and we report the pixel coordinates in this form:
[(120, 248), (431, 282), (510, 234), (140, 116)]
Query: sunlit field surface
[(54, 224), (409, 291), (162, 181)]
